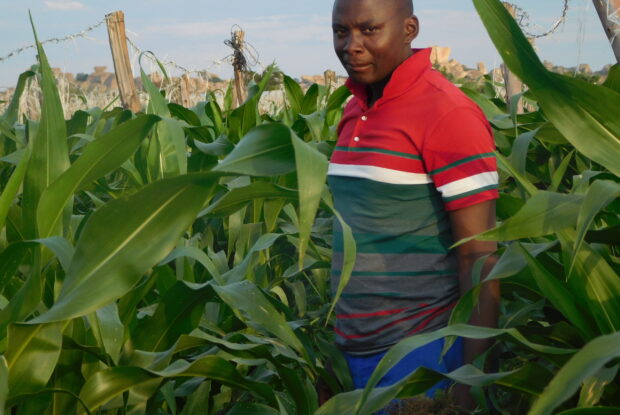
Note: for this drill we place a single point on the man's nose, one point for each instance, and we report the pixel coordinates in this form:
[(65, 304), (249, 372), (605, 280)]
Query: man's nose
[(353, 43)]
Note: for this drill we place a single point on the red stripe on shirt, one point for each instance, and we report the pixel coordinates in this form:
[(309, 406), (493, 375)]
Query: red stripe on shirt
[(471, 168), (387, 326), (377, 313), (386, 161), (430, 318)]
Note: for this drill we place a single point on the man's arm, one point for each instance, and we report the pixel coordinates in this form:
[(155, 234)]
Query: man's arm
[(466, 222)]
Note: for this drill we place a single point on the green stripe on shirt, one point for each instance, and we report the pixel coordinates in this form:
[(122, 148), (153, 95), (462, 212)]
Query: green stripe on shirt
[(366, 295), (397, 273), (471, 193), (379, 150), (462, 161), (397, 244)]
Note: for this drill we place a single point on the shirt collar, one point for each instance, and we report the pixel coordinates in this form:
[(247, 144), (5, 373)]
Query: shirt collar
[(403, 77)]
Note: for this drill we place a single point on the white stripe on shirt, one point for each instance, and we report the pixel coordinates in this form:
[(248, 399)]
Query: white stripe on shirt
[(379, 174), (469, 184)]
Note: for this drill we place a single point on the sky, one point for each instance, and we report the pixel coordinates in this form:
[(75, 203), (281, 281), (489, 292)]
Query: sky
[(296, 34)]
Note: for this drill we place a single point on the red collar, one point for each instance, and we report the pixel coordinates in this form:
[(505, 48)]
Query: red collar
[(403, 78)]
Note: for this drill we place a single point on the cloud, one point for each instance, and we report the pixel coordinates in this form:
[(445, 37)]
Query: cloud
[(64, 5), (276, 29)]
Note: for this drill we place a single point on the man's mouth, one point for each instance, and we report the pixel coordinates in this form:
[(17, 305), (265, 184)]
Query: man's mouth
[(358, 67)]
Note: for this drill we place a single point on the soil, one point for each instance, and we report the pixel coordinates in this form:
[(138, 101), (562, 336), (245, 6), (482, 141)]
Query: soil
[(422, 405)]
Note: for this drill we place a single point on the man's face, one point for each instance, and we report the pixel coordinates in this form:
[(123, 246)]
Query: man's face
[(371, 37)]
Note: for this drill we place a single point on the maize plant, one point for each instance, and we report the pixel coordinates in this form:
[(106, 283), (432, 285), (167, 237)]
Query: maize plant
[(176, 261)]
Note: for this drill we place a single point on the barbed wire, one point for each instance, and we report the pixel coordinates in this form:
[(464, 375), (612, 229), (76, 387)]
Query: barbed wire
[(151, 57), (244, 54), (523, 18), (53, 40), (132, 44), (613, 15)]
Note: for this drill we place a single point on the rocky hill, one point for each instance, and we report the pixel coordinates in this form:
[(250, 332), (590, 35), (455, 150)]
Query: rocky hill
[(99, 88)]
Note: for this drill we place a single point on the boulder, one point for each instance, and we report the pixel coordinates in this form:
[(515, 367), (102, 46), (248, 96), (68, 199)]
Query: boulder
[(440, 55)]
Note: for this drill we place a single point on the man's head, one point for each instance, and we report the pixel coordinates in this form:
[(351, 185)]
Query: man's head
[(373, 37)]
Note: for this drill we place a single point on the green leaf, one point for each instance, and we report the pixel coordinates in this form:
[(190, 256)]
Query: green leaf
[(12, 110), (4, 383), (504, 165), (311, 168), (28, 296), (600, 194), (100, 157), (239, 197), (107, 384), (613, 78), (584, 113), (599, 410), (594, 283), (594, 386), (561, 297), (239, 272), (558, 175), (62, 249), (178, 312), (50, 155), (245, 298), (169, 133), (294, 94), (338, 98), (531, 379), (349, 254), (267, 150), (31, 355), (584, 364), (12, 186), (251, 409), (115, 250), (107, 328), (222, 146), (494, 114), (309, 103), (543, 214), (520, 147), (198, 255)]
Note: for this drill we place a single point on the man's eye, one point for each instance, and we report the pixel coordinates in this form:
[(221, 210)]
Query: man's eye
[(339, 32), (369, 29)]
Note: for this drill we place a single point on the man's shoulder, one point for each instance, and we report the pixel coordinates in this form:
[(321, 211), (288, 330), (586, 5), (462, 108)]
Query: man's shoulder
[(439, 96)]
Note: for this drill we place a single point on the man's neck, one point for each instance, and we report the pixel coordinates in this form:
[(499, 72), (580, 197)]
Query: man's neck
[(375, 91)]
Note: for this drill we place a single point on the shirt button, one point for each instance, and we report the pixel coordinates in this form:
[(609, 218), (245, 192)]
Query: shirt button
[(364, 118), (356, 139)]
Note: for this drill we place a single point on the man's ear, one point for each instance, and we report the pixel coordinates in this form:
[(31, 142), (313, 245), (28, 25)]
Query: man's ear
[(412, 28)]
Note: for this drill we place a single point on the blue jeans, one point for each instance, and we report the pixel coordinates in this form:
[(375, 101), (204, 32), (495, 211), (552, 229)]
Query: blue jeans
[(427, 356)]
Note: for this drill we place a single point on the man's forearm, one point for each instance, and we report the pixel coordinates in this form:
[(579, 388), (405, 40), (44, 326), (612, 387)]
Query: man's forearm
[(486, 312)]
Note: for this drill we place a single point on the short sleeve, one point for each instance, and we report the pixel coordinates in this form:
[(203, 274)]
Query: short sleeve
[(459, 157)]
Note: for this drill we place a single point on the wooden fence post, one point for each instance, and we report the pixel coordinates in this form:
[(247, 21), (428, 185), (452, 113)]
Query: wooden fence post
[(185, 88), (330, 78), (239, 68), (612, 26), (122, 66), (511, 81)]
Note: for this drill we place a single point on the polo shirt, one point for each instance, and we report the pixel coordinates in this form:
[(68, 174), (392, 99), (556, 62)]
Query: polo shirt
[(422, 150)]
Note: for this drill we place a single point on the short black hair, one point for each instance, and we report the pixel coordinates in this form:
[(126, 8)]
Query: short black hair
[(406, 6)]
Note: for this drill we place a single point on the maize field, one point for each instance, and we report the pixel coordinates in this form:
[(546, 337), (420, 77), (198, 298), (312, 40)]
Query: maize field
[(176, 261)]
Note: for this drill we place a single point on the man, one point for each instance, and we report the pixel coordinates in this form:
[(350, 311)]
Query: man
[(413, 172)]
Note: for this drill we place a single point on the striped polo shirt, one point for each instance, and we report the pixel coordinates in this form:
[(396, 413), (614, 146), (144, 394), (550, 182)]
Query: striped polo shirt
[(421, 150)]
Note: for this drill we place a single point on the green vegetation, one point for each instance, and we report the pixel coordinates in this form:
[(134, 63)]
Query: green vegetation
[(176, 261)]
